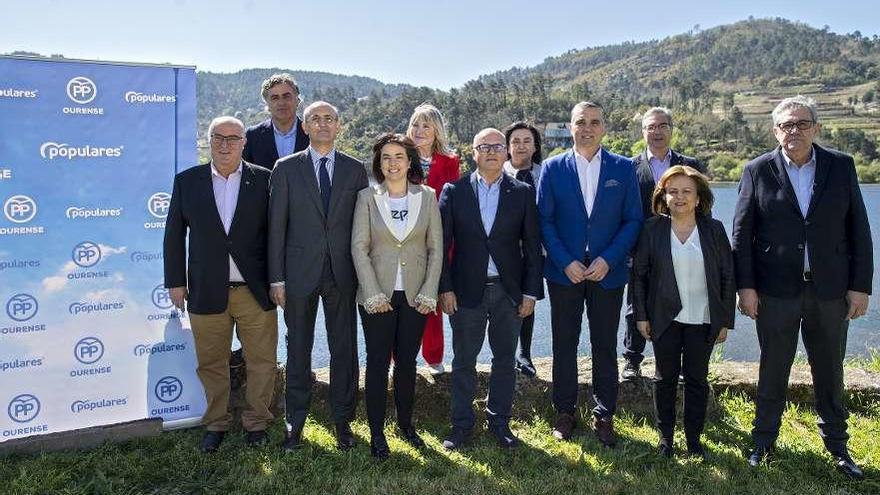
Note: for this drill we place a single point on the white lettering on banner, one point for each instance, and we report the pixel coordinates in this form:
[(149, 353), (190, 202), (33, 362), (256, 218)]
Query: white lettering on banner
[(22, 230), (18, 93), (83, 110), (51, 150), (135, 97), (5, 174), (75, 212)]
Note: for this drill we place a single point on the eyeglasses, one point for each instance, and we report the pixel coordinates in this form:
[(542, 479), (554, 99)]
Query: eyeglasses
[(495, 148), (327, 119), (219, 140), (659, 127), (801, 125)]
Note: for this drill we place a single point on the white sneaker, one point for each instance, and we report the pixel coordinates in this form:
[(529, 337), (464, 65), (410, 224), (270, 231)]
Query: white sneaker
[(436, 369)]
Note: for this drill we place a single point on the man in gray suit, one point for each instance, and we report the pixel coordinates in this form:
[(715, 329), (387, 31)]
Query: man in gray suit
[(311, 206)]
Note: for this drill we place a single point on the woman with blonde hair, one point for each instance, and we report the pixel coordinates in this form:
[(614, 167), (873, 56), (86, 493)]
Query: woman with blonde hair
[(427, 129)]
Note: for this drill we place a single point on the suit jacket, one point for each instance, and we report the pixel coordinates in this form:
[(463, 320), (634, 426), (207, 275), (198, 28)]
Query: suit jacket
[(301, 233), (260, 146), (655, 290), (769, 231), (536, 171), (193, 213), (646, 176), (444, 169), (612, 229), (514, 242), (377, 250)]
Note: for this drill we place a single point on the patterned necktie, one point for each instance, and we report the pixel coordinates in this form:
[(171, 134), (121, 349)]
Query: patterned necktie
[(324, 182), (525, 175)]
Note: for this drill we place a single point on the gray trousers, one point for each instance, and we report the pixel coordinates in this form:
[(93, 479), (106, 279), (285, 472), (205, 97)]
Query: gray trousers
[(823, 327), (468, 334)]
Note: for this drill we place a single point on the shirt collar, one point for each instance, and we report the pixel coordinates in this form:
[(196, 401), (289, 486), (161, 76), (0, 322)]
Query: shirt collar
[(476, 178), (217, 173), (597, 158), (291, 132), (665, 158), (791, 164), (315, 156)]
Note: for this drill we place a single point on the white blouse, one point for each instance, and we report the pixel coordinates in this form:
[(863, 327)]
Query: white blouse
[(399, 210), (690, 276)]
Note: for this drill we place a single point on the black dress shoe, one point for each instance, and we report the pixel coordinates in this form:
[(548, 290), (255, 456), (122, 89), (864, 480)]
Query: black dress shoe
[(457, 438), (379, 447), (506, 439), (211, 441), (344, 436), (847, 466), (665, 448), (257, 438), (631, 371), (759, 455), (292, 441), (695, 449), (411, 436), (525, 366)]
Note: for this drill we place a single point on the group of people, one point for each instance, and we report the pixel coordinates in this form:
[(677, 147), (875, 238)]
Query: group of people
[(294, 220)]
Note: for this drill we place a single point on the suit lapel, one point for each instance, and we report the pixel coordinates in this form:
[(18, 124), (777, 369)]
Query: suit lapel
[(307, 172), (668, 267), (269, 136), (603, 176), (571, 162), (380, 196), (245, 189), (337, 181), (646, 175), (823, 166), (784, 182), (504, 190), (209, 199), (414, 204), (470, 197)]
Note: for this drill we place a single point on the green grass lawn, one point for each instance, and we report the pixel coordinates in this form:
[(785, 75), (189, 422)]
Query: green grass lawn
[(170, 463)]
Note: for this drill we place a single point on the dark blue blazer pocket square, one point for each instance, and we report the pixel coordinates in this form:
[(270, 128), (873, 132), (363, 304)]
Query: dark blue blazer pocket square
[(611, 183)]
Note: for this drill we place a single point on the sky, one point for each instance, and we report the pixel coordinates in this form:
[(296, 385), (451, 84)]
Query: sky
[(440, 44)]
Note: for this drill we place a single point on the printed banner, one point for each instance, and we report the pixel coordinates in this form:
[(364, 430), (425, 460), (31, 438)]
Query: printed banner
[(88, 334)]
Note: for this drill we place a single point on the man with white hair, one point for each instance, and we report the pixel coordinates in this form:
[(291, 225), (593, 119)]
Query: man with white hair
[(221, 208), (804, 262)]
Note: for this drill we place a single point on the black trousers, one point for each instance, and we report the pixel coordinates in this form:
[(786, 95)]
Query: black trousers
[(682, 349), (398, 332), (525, 337), (339, 317), (566, 316), (823, 326), (633, 342)]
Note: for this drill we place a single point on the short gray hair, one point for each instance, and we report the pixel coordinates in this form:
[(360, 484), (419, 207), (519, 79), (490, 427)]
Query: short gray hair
[(311, 108), (799, 101), (581, 106), (225, 119), (658, 111), (275, 80)]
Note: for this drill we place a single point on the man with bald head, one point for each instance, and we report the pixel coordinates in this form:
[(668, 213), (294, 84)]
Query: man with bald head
[(312, 199), (223, 277), (493, 277)]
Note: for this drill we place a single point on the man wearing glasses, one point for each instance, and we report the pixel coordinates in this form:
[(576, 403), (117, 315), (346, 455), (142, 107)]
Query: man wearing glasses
[(650, 165), (282, 134), (591, 215), (222, 208), (803, 257), (493, 277), (312, 199)]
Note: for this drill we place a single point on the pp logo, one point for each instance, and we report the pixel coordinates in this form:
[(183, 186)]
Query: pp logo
[(161, 297), (89, 350), (23, 408), (22, 307), (81, 90), (20, 209), (158, 204), (86, 254), (168, 389)]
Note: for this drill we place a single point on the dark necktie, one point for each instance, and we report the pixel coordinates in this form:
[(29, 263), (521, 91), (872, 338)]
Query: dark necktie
[(324, 182), (525, 175)]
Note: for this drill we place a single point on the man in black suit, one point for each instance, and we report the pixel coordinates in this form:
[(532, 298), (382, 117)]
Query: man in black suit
[(312, 200), (283, 133), (494, 277), (650, 165), (803, 257), (222, 207)]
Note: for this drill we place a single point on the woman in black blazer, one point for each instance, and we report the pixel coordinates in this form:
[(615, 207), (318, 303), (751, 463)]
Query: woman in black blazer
[(684, 297)]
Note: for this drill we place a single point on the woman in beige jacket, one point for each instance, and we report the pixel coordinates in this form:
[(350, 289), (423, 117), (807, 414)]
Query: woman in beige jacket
[(397, 247)]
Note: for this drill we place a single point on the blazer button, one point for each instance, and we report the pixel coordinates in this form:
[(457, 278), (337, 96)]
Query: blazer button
[(800, 246), (403, 263), (400, 245)]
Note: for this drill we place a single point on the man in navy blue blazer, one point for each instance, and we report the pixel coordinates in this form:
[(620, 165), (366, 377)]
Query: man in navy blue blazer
[(591, 215), (282, 134), (493, 277)]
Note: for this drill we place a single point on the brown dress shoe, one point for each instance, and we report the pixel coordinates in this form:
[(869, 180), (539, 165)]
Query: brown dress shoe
[(564, 426), (604, 428)]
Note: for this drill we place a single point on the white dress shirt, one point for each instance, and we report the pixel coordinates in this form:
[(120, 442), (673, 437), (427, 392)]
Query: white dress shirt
[(690, 276), (226, 199), (588, 175)]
